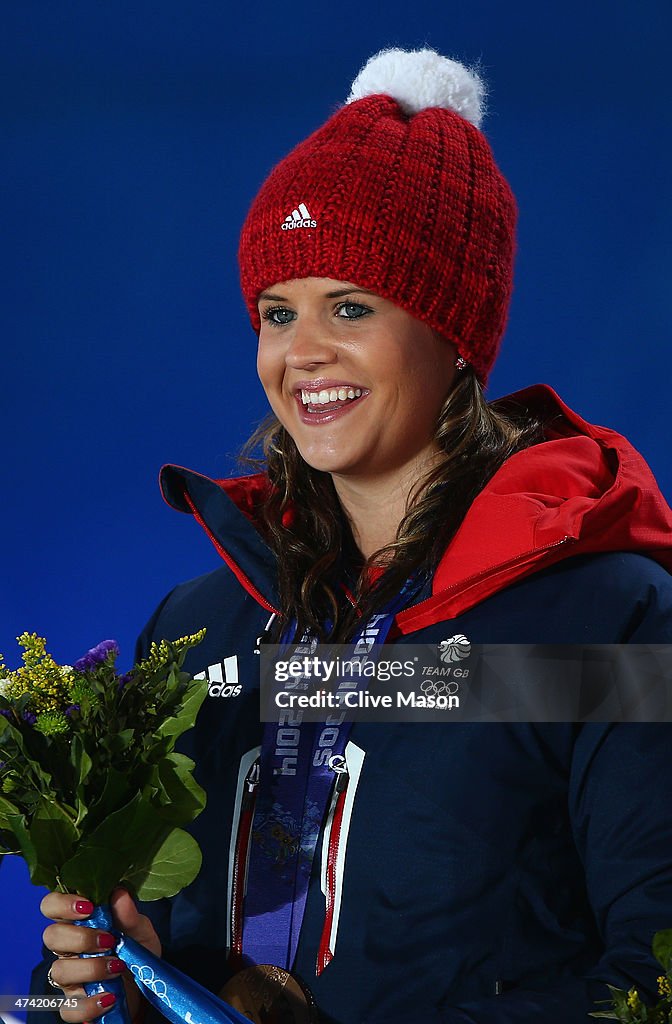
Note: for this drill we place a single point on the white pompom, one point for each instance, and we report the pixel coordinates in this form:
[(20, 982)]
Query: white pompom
[(417, 79)]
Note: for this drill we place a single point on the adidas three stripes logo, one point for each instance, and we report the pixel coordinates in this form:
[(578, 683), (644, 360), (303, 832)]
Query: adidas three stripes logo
[(299, 218)]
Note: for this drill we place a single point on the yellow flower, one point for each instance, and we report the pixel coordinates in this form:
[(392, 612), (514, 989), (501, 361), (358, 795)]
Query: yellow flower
[(39, 676), (634, 1002), (664, 987), (169, 650)]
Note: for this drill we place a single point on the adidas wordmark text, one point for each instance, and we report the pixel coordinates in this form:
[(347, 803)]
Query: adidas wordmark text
[(299, 218)]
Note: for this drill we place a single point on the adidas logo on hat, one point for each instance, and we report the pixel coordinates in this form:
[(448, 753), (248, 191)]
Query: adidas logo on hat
[(299, 218)]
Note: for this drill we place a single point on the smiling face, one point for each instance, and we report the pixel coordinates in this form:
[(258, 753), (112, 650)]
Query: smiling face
[(356, 381)]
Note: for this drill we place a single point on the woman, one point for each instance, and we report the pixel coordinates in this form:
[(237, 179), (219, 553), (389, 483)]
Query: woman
[(471, 873)]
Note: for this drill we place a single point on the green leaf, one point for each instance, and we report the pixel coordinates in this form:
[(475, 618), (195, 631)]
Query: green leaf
[(17, 826), (18, 754), (173, 680), (119, 742), (8, 810), (662, 949), (192, 699), (128, 838), (8, 844), (82, 765), (10, 735), (109, 799), (53, 836), (183, 798), (80, 760), (174, 865)]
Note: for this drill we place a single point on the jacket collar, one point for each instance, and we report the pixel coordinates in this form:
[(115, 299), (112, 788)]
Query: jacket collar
[(585, 489), (228, 512)]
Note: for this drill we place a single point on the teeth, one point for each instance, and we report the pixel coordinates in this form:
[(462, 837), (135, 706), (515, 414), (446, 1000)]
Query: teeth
[(332, 395)]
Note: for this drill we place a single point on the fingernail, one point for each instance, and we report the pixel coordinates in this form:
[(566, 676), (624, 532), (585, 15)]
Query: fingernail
[(116, 966), (83, 907), (105, 941), (106, 1000)]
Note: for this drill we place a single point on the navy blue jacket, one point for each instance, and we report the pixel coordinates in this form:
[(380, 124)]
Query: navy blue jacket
[(489, 873)]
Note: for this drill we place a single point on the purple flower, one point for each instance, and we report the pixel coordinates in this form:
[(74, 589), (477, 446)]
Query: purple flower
[(29, 717), (97, 656), (5, 713), (70, 708), (122, 680)]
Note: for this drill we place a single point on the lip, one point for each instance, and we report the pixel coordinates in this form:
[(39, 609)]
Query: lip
[(326, 414), (324, 384)]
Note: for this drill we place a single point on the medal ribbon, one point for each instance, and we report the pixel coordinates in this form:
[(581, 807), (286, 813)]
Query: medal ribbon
[(180, 999), (296, 782)]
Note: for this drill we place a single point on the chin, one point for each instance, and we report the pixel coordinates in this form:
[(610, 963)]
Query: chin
[(322, 458), (326, 465), (328, 462)]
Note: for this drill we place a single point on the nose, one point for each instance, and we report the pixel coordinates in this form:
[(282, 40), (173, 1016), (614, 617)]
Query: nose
[(309, 346)]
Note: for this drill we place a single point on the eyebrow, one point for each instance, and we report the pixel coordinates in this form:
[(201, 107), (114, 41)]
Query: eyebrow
[(338, 294)]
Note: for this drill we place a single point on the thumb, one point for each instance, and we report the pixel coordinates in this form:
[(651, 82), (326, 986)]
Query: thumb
[(127, 919)]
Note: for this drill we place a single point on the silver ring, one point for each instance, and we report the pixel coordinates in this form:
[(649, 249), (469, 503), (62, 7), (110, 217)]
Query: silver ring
[(51, 980)]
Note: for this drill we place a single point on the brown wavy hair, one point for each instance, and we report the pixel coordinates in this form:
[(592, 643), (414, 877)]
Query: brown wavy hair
[(308, 531)]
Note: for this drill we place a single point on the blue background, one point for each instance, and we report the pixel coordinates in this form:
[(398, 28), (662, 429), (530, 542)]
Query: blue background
[(135, 136)]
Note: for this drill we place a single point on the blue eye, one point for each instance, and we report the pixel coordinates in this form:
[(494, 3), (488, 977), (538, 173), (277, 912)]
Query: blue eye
[(352, 310), (278, 315)]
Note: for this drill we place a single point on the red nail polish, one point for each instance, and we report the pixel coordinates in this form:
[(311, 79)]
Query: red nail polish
[(106, 1001), (106, 941), (83, 907), (116, 966)]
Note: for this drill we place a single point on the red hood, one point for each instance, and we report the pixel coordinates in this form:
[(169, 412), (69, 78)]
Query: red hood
[(583, 490)]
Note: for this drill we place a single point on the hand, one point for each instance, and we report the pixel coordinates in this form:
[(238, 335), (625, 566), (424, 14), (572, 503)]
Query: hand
[(67, 940)]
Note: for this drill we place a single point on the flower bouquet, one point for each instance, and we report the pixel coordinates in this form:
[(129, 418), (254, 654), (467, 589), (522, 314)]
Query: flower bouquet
[(627, 1006), (92, 792)]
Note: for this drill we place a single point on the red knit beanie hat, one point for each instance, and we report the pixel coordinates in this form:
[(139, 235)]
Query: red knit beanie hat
[(398, 193)]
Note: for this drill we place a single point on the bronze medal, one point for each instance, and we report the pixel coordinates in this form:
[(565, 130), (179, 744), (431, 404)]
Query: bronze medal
[(270, 995)]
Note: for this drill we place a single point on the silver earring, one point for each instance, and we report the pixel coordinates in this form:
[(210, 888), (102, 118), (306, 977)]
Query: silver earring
[(461, 363)]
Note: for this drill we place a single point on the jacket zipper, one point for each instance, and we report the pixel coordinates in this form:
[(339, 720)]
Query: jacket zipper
[(248, 803), (472, 580), (325, 954)]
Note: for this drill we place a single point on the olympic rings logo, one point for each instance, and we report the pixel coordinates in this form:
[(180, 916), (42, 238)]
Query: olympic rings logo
[(439, 687)]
